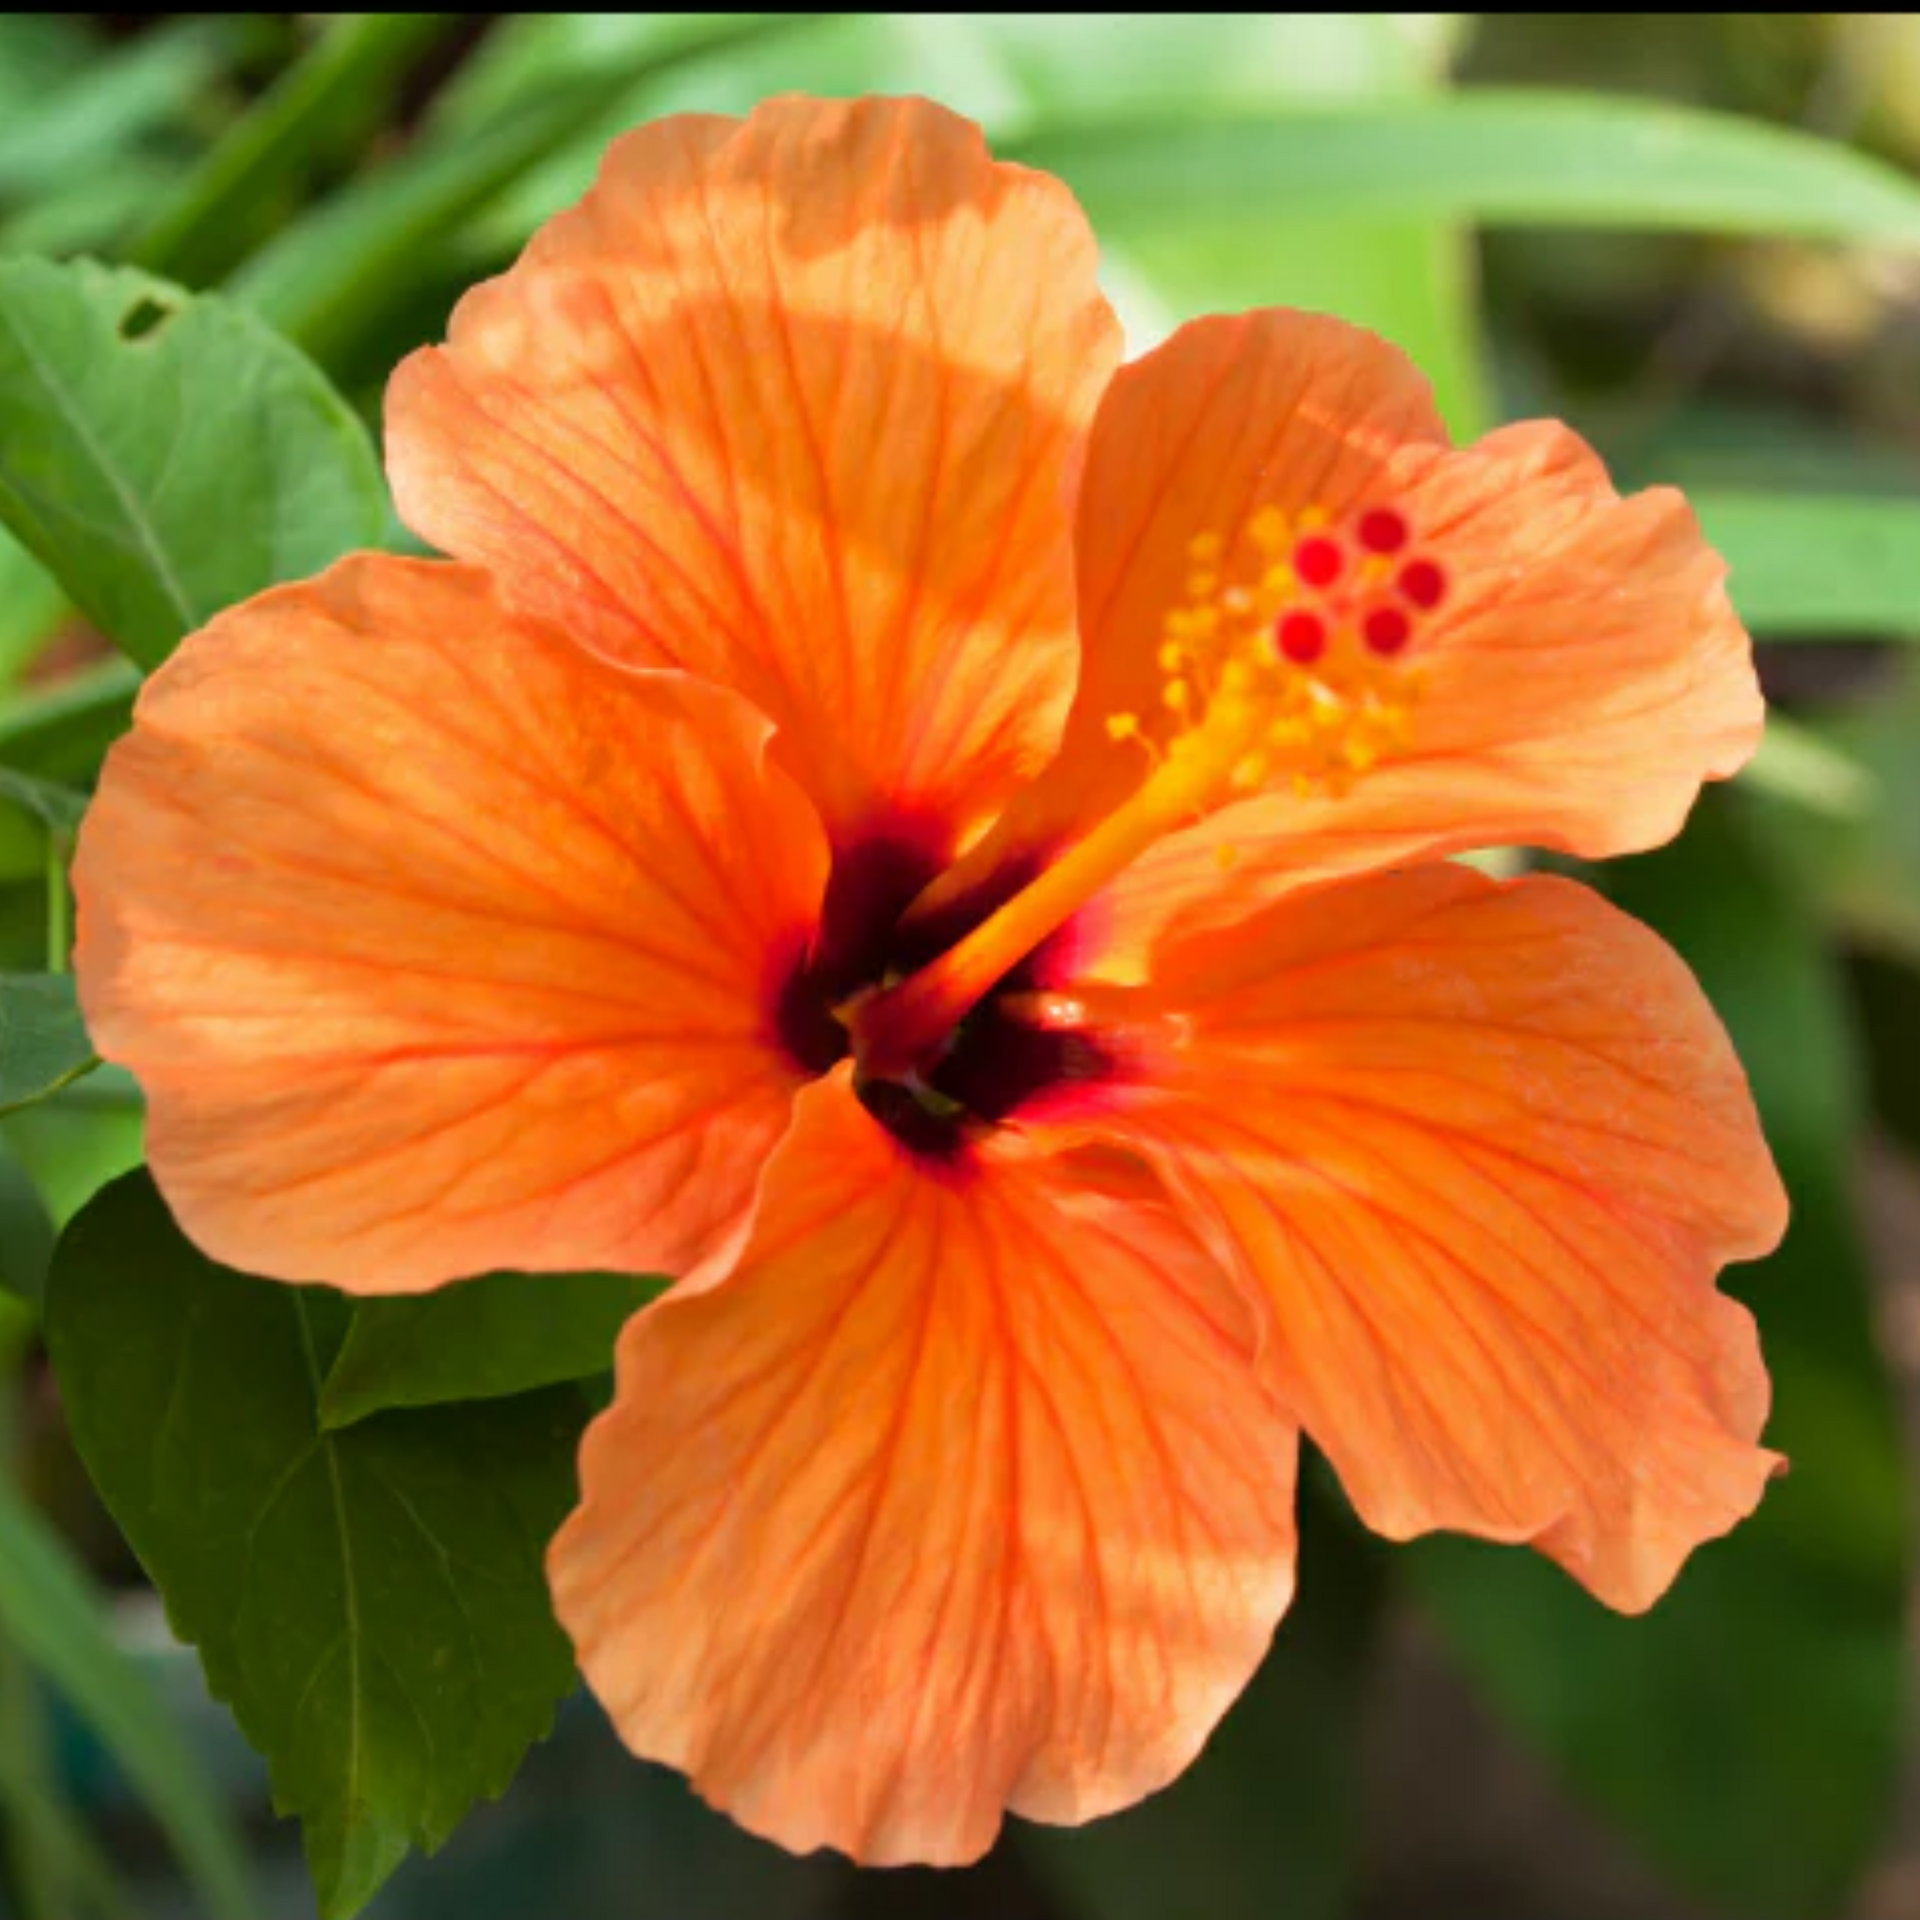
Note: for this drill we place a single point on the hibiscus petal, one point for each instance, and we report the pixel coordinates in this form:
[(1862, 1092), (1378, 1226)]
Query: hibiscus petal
[(955, 1491), (438, 945), (1581, 675), (797, 404), (1486, 1148)]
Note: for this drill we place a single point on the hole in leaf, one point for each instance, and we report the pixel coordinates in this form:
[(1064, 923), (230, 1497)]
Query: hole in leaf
[(145, 316)]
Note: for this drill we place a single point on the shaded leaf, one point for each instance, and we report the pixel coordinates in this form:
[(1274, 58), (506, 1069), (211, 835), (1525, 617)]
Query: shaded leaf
[(37, 823), (168, 455), (26, 1233), (371, 1604), (1862, 863), (43, 1041), (1814, 565), (50, 1613), (484, 1339), (61, 732)]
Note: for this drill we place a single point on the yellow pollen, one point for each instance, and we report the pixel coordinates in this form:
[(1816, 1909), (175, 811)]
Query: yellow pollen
[(1267, 530), (1268, 680)]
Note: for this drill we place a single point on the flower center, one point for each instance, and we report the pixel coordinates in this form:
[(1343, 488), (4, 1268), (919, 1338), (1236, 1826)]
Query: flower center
[(997, 1055), (1292, 661)]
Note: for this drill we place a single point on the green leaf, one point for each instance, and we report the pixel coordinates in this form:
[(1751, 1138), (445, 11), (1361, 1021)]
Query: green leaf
[(166, 456), (1862, 862), (339, 88), (532, 55), (83, 114), (74, 1141), (371, 1604), (484, 1339), (1817, 566), (31, 605), (1264, 1822), (332, 277), (56, 1863), (1803, 767), (60, 733), (51, 1614), (59, 809), (26, 1232), (1492, 155), (43, 1041), (1409, 280), (38, 819), (1747, 1731)]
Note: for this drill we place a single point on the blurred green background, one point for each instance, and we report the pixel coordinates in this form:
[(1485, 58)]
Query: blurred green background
[(1697, 238)]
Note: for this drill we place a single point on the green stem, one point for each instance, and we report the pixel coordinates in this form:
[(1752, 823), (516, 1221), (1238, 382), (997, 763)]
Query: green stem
[(337, 91), (59, 902)]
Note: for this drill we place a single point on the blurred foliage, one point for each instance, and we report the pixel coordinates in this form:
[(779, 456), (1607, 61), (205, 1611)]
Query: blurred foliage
[(1696, 237)]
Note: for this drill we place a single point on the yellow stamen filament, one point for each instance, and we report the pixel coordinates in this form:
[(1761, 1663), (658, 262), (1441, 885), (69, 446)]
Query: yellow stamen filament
[(1248, 704), (896, 1029)]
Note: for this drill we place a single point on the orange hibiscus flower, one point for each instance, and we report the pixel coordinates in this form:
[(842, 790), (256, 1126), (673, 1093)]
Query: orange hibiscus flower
[(941, 843)]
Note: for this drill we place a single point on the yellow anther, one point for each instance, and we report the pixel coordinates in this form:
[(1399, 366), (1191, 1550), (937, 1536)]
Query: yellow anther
[(1237, 712), (1268, 529)]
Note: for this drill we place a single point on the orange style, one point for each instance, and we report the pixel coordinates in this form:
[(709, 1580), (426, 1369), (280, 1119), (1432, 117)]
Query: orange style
[(941, 841)]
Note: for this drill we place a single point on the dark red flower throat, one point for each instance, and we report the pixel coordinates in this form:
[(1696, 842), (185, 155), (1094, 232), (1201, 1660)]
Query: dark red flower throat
[(993, 1064)]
